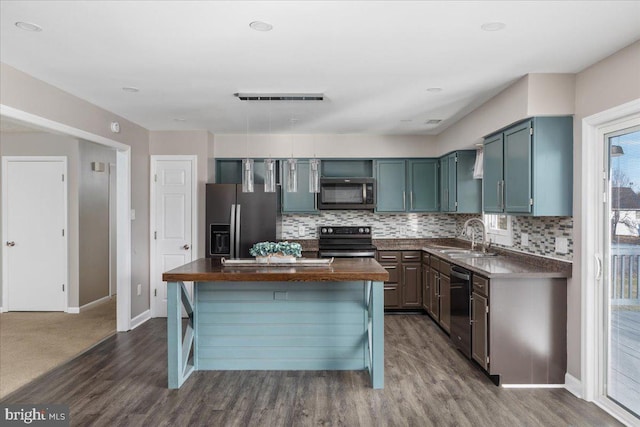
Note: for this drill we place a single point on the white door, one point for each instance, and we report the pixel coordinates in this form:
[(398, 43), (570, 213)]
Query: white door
[(172, 222), (34, 234)]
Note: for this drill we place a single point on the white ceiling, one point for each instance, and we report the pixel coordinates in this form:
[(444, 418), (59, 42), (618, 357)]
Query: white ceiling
[(372, 60)]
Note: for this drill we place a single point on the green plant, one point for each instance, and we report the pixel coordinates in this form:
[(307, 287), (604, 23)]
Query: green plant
[(272, 248)]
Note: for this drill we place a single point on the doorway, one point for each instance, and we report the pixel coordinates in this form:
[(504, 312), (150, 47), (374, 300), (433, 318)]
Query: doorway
[(609, 347), (173, 222), (36, 190), (620, 344)]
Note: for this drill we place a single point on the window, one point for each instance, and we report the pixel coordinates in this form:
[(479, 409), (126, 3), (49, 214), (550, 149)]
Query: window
[(499, 229)]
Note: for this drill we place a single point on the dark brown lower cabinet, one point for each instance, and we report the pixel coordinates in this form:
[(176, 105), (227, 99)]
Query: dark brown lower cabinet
[(480, 329), (445, 302), (403, 290), (426, 287), (434, 304), (512, 321), (412, 285)]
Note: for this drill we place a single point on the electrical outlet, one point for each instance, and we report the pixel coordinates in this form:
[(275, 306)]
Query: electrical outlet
[(524, 240), (302, 230), (561, 245), (139, 289)]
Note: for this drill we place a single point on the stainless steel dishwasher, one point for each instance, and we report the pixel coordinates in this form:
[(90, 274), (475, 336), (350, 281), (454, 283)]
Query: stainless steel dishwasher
[(461, 309)]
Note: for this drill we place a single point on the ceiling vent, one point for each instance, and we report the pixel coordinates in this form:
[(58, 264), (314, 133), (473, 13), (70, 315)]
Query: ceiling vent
[(280, 96)]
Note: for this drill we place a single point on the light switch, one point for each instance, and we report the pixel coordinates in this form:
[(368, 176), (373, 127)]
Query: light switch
[(561, 245), (524, 239)]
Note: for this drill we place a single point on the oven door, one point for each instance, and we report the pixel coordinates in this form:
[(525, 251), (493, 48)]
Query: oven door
[(350, 253)]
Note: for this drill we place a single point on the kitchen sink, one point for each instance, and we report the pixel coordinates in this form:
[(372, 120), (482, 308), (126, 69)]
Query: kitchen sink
[(472, 254), (465, 253)]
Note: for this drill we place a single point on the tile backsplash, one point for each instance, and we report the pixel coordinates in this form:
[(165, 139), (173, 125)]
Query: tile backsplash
[(542, 231), (384, 226)]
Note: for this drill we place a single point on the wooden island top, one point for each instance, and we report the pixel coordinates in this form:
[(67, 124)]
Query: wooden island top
[(341, 270)]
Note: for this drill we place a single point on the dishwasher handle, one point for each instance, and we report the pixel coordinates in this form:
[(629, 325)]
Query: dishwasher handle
[(459, 273)]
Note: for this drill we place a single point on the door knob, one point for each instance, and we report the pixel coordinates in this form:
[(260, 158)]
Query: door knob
[(186, 247), (11, 243)]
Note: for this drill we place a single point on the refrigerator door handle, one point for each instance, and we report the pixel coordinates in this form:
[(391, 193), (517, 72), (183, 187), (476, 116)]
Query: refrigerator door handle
[(232, 231), (238, 231)]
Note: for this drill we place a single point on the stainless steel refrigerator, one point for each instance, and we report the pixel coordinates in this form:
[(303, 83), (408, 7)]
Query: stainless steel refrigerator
[(236, 220)]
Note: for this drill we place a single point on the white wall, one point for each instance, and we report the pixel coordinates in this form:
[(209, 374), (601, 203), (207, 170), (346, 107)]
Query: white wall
[(324, 146), (45, 144), (187, 143), (26, 93)]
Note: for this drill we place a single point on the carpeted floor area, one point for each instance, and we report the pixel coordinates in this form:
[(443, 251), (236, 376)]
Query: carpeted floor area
[(32, 343)]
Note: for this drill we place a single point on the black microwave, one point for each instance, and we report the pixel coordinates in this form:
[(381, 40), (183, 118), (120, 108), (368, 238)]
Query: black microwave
[(347, 193)]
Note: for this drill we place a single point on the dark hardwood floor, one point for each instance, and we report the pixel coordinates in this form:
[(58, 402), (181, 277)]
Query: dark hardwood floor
[(122, 382)]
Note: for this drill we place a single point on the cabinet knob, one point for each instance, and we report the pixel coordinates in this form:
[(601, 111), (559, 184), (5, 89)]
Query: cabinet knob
[(186, 247), (11, 244)]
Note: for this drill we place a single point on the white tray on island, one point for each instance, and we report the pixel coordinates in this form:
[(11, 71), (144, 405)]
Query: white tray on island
[(300, 262)]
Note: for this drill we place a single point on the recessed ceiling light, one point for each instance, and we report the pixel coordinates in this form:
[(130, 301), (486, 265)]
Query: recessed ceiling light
[(261, 26), (28, 26), (130, 89), (434, 89), (179, 119), (432, 122), (493, 26), (406, 120)]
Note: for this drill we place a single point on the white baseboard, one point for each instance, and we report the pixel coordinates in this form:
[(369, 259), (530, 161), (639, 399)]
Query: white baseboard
[(77, 310), (94, 303), (573, 384), (140, 319), (1, 309), (532, 385)]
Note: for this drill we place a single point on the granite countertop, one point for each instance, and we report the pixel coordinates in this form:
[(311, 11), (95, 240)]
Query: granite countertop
[(506, 264), (341, 270)]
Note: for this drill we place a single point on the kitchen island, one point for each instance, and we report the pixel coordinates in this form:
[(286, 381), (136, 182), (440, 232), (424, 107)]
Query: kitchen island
[(276, 318)]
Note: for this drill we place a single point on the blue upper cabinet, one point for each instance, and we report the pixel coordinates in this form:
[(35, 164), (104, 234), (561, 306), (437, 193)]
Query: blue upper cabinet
[(492, 178), (301, 201), (422, 177), (407, 185), (459, 192), (536, 169), (391, 183)]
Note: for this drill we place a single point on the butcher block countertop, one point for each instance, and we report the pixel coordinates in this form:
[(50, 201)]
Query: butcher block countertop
[(341, 270)]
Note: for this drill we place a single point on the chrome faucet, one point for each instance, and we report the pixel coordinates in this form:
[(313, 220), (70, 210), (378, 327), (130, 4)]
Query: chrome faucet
[(485, 244)]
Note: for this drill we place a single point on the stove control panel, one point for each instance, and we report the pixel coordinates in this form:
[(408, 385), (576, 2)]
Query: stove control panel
[(345, 231)]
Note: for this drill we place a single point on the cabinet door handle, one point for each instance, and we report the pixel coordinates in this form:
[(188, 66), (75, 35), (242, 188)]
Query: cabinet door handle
[(390, 267), (404, 200), (502, 194), (389, 288), (388, 257), (411, 256), (411, 200)]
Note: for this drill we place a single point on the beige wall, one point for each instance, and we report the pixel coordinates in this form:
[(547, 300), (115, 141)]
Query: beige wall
[(94, 222), (611, 82), (23, 92), (507, 107), (532, 95), (187, 143), (325, 146), (45, 144)]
